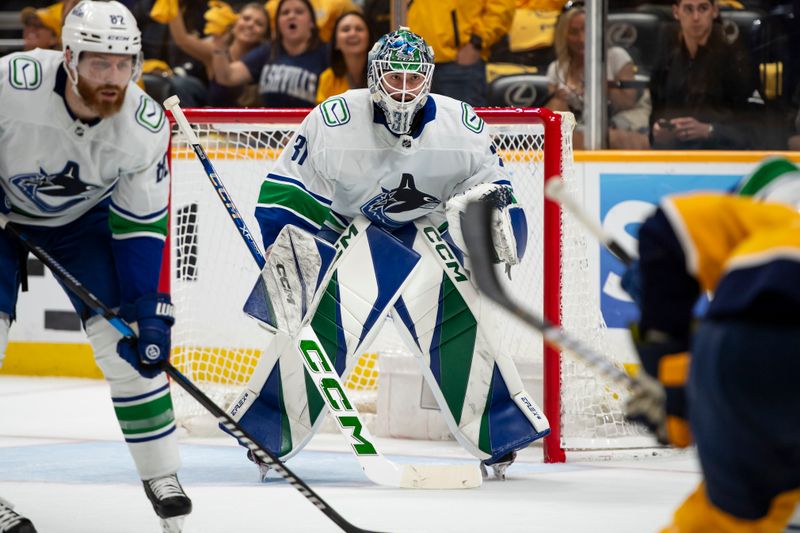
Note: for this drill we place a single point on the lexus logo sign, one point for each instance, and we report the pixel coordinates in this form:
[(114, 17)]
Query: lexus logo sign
[(521, 94)]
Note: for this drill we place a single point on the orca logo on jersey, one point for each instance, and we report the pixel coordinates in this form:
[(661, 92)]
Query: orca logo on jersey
[(396, 207), (53, 193)]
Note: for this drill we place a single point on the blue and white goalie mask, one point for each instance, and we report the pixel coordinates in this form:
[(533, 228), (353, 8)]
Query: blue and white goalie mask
[(399, 77)]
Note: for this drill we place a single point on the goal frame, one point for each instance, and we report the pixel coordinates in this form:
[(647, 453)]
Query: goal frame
[(551, 240)]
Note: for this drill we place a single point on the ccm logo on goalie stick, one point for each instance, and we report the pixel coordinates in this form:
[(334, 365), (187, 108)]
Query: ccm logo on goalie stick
[(284, 279), (335, 396)]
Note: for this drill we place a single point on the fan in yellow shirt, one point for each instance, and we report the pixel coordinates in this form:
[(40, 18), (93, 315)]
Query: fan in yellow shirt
[(348, 70)]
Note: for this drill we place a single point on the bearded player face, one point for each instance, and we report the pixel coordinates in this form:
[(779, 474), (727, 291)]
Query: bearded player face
[(103, 80)]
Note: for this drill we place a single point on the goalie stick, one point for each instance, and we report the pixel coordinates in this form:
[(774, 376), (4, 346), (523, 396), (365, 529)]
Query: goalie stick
[(478, 238), (222, 417), (375, 465), (556, 190)]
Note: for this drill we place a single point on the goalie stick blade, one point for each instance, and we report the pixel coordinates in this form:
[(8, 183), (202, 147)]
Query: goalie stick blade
[(440, 476)]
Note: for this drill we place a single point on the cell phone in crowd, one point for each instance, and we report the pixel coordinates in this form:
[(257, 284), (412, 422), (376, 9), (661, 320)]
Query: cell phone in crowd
[(665, 124)]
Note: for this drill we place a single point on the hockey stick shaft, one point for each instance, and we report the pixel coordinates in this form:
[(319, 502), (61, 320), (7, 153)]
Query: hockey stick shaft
[(377, 467), (173, 105), (77, 288), (478, 238), (556, 191)]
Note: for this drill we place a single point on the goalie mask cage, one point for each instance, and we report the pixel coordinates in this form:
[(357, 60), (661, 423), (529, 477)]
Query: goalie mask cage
[(211, 271)]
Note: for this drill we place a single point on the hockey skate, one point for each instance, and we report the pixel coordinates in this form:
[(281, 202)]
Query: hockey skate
[(263, 468), (499, 467), (13, 522), (169, 501)]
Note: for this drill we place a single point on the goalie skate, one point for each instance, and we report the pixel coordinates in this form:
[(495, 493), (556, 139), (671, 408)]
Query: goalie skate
[(263, 468), (169, 501), (499, 467), (13, 522)]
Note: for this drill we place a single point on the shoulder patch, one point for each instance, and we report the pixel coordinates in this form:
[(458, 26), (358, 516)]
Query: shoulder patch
[(149, 114), (25, 73), (335, 111), (470, 118)]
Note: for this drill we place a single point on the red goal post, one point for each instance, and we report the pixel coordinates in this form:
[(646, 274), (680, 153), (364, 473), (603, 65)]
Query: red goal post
[(536, 146)]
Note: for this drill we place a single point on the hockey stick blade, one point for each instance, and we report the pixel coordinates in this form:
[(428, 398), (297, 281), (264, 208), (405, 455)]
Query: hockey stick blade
[(556, 190), (376, 466), (476, 229), (94, 303)]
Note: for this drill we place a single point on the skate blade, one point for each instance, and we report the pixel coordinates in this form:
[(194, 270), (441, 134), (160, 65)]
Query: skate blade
[(172, 525)]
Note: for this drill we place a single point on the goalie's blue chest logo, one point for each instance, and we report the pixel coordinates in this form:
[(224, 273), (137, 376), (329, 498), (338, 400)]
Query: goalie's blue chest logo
[(396, 207), (53, 193)]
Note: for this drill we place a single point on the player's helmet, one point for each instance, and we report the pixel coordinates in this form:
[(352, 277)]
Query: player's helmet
[(399, 74), (103, 27), (775, 179)]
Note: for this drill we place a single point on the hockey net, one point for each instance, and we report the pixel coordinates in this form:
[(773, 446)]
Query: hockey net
[(211, 273)]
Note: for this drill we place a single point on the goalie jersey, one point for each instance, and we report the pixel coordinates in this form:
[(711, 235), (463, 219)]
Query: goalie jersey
[(343, 161), (54, 167)]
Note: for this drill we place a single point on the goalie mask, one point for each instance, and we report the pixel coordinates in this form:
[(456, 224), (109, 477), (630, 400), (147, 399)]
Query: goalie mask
[(399, 77), (104, 28)]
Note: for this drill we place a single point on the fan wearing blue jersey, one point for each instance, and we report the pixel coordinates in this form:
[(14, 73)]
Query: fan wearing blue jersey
[(83, 174), (399, 155)]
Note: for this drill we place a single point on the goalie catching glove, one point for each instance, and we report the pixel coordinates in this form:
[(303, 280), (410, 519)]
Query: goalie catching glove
[(509, 225), (155, 316)]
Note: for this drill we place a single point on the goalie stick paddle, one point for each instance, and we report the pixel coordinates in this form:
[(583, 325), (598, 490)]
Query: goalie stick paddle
[(222, 417), (556, 190), (476, 230), (375, 465)]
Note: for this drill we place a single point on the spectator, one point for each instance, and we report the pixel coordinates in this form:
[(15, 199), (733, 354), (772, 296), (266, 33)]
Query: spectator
[(184, 75), (238, 34), (288, 67), (348, 70), (629, 109), (41, 28), (461, 39), (325, 11), (704, 89)]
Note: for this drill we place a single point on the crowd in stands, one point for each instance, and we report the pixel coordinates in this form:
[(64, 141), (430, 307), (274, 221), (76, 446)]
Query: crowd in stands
[(682, 74)]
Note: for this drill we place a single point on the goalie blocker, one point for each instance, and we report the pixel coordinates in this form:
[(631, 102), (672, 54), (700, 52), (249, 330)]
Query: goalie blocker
[(438, 316)]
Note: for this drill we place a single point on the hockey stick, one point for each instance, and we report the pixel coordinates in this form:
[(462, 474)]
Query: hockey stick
[(375, 465), (556, 191), (478, 238), (222, 417)]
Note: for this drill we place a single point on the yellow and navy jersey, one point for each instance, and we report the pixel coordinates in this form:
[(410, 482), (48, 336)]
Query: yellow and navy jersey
[(744, 251)]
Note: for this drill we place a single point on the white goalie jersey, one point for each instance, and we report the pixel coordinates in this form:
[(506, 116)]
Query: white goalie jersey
[(55, 167), (345, 162)]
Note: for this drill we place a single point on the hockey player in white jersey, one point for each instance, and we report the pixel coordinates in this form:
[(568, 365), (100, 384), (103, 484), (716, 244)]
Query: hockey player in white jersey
[(396, 154), (83, 169)]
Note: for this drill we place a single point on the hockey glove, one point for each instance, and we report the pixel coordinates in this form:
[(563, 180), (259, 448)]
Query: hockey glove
[(148, 353), (509, 225), (661, 403)]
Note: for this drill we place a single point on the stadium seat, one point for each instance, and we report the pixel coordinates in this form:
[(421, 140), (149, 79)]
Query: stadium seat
[(640, 33), (519, 90), (744, 24)]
